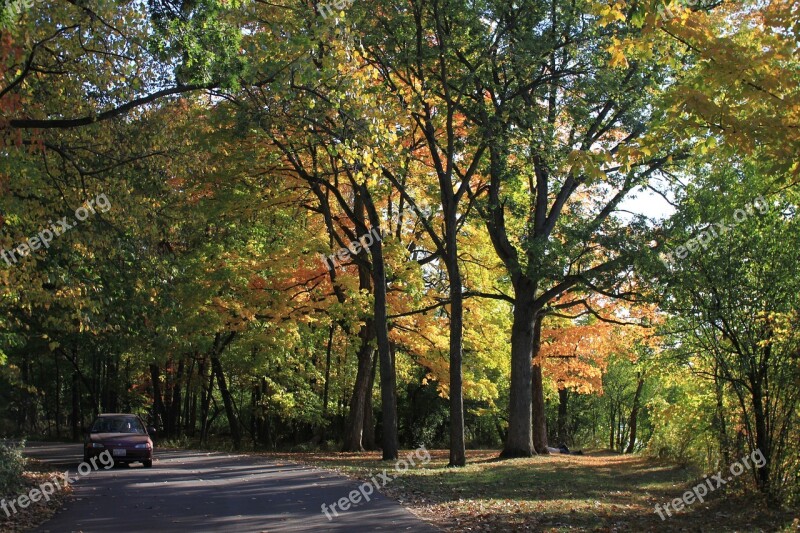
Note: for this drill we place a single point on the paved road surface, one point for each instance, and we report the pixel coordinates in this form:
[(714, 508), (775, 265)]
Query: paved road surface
[(200, 491)]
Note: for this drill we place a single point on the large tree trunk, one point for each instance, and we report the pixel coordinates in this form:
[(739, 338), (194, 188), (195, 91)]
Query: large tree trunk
[(634, 415), (388, 372), (538, 416), (458, 455), (227, 400), (519, 441), (354, 430), (358, 402)]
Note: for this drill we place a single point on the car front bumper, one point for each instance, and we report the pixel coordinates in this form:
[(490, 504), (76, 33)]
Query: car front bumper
[(131, 455)]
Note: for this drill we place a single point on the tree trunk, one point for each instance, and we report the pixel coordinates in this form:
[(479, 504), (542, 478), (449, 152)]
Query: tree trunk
[(189, 403), (159, 412), (719, 419), (58, 396), (207, 382), (388, 372), (175, 404), (368, 439), (354, 431), (539, 418), (75, 418), (762, 438), (612, 423), (519, 441), (227, 400), (634, 415), (358, 402), (326, 388), (563, 400), (255, 402), (458, 455)]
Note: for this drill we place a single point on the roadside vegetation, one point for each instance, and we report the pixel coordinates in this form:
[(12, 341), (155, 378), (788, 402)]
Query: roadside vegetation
[(18, 476)]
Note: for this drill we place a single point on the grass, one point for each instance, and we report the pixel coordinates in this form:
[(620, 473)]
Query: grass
[(596, 492)]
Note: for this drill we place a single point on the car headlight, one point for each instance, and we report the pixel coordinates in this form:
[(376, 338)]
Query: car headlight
[(144, 446), (97, 445)]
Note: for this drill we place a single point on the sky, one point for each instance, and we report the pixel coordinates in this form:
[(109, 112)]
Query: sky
[(647, 203)]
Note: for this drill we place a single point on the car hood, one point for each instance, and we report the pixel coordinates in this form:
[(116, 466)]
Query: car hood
[(119, 438)]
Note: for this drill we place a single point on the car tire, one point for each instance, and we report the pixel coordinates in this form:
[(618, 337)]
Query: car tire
[(148, 463)]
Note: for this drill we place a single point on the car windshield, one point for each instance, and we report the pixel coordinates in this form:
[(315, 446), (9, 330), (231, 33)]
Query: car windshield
[(119, 424)]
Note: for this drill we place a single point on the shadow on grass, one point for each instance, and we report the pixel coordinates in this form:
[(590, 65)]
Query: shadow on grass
[(596, 491)]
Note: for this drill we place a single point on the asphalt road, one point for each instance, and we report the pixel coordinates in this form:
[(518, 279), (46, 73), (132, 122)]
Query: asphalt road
[(200, 491)]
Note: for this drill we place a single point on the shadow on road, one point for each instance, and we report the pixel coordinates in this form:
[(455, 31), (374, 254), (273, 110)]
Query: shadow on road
[(191, 490)]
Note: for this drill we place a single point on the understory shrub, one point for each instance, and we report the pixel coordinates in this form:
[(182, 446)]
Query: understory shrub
[(12, 465)]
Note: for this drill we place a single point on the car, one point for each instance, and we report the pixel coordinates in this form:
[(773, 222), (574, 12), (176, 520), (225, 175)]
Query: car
[(125, 436)]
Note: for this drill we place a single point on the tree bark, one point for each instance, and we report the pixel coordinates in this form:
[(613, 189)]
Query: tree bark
[(368, 439), (227, 401), (75, 418), (189, 402), (762, 437), (458, 455), (175, 404), (358, 402), (159, 411), (387, 362), (326, 387), (634, 415), (207, 381), (539, 418), (613, 422), (354, 431), (58, 396), (519, 440), (719, 418), (563, 401)]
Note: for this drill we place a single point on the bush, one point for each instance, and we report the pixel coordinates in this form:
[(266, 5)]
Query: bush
[(12, 465)]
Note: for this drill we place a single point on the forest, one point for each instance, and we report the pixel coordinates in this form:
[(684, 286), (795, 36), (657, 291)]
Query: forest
[(370, 225)]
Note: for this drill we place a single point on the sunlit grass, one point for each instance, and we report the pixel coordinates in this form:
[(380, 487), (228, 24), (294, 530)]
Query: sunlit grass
[(601, 491)]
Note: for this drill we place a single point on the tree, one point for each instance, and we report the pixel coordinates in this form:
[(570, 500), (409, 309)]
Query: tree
[(735, 303)]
